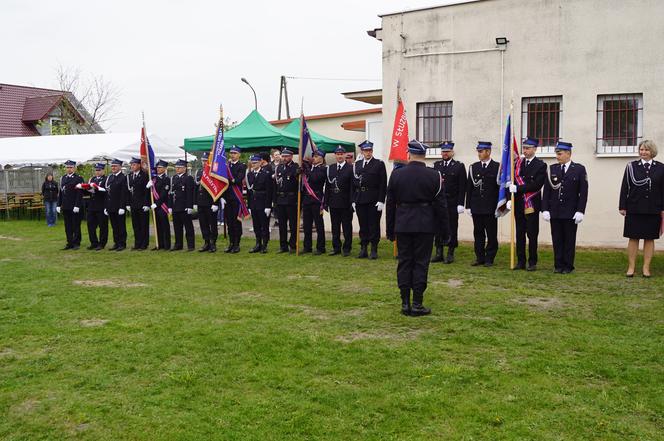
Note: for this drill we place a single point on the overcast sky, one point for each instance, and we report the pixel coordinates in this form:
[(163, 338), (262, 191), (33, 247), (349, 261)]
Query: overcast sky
[(177, 60)]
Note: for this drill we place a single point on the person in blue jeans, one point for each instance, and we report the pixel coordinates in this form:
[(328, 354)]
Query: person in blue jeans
[(50, 195)]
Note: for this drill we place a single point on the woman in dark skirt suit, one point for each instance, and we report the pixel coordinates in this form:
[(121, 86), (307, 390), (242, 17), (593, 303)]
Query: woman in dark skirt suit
[(642, 204)]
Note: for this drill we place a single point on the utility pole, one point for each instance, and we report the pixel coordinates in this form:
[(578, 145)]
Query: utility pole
[(283, 96)]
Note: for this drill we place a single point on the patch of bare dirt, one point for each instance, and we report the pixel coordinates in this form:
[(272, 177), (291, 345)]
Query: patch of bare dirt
[(317, 313), (108, 284), (355, 288), (454, 283), (93, 323), (541, 303), (379, 335), (10, 238), (6, 352), (25, 407)]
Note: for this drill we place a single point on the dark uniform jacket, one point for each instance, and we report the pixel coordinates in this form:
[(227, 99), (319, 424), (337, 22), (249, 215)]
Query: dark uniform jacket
[(182, 192), (339, 186), (647, 198), (118, 193), (70, 196), (316, 177), (571, 195), (139, 195), (238, 171), (533, 176), (261, 188), (454, 181), (482, 188), (162, 187), (203, 198), (98, 198), (370, 183), (286, 180), (416, 202)]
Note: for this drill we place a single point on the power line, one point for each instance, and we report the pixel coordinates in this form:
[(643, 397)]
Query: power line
[(334, 79)]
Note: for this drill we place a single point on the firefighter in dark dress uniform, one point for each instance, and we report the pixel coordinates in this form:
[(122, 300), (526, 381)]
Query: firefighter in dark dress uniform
[(416, 210), (207, 212), (370, 184), (238, 170), (481, 201), (96, 218), (162, 187), (70, 201), (181, 206), (532, 173), (642, 204), (117, 199), (564, 204), (454, 177), (286, 178), (260, 188), (315, 175), (139, 204), (338, 194)]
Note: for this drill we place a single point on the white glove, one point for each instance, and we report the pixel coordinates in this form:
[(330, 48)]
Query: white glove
[(58, 209), (195, 207), (91, 189), (223, 203), (149, 184), (508, 184), (468, 212), (353, 205), (189, 211), (170, 211), (546, 216), (215, 208), (76, 210), (578, 217), (128, 209), (508, 205), (249, 210), (153, 206), (460, 209), (145, 208), (380, 206), (512, 188), (105, 212), (121, 212), (268, 211), (79, 186)]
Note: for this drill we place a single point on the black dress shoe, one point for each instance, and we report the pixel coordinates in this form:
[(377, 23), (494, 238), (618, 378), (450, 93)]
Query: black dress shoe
[(155, 249), (213, 248), (191, 249), (120, 248), (419, 310), (519, 266), (176, 249), (113, 248), (346, 253), (99, 248), (477, 263), (228, 249), (75, 247), (282, 250), (305, 251), (334, 252), (264, 250), (488, 264), (235, 250), (67, 247), (92, 247), (319, 252), (557, 271), (531, 268)]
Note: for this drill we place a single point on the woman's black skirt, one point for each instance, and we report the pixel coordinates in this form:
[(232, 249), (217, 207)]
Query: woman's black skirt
[(642, 226)]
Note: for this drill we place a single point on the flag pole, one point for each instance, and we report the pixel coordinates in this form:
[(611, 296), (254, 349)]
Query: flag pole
[(512, 220), (299, 186), (147, 154)]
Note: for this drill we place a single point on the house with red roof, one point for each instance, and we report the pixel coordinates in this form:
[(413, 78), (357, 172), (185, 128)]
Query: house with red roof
[(35, 111)]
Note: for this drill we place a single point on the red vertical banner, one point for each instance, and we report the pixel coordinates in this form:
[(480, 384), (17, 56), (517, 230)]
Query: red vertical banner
[(399, 145)]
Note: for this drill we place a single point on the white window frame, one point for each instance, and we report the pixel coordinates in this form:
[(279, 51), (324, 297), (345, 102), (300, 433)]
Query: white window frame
[(543, 150), (618, 150)]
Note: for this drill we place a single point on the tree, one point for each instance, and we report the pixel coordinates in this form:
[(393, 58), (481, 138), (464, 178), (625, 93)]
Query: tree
[(92, 95)]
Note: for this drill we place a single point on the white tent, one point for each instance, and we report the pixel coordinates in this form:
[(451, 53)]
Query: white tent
[(41, 150)]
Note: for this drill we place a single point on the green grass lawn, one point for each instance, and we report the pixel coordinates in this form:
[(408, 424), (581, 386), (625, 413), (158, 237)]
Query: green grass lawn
[(193, 346)]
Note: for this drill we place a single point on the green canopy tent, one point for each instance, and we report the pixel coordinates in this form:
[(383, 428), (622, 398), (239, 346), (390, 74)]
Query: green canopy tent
[(322, 142), (254, 133)]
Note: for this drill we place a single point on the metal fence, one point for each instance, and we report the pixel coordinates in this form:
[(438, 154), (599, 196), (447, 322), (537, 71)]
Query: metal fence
[(24, 180)]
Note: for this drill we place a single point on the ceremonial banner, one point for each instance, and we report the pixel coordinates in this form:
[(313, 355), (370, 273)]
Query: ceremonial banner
[(215, 170), (399, 145), (505, 172), (148, 165)]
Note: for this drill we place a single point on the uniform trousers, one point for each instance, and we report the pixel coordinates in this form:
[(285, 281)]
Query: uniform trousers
[(342, 219), (485, 232), (563, 236), (97, 219), (207, 219), (182, 220), (414, 256), (119, 226), (72, 227), (369, 219), (287, 218)]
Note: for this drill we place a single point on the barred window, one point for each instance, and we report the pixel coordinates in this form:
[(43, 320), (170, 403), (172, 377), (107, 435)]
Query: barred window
[(541, 118), (434, 124), (619, 123)]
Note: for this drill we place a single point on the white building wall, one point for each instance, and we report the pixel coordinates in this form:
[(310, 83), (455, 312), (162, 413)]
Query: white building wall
[(575, 48)]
